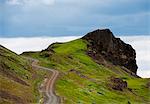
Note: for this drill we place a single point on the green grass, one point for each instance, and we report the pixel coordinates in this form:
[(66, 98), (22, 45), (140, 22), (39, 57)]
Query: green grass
[(139, 87), (93, 87), (14, 65)]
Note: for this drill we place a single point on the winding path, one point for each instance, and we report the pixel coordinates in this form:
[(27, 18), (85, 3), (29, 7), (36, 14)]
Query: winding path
[(52, 98)]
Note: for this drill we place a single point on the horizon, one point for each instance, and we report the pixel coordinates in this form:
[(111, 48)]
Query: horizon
[(40, 43), (53, 36), (44, 36)]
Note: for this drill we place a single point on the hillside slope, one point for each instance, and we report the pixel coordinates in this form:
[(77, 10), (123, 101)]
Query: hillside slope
[(83, 80), (18, 81)]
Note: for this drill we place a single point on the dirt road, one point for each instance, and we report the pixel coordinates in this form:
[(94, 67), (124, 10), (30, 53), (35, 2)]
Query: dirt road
[(52, 98)]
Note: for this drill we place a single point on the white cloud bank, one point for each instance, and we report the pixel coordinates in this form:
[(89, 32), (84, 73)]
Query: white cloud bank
[(140, 43), (142, 46), (20, 45)]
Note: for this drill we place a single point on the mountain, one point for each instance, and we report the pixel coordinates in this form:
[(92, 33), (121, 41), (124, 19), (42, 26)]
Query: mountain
[(96, 69), (19, 82)]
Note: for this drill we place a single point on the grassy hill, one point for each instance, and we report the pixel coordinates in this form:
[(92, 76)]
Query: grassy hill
[(83, 81), (18, 81)]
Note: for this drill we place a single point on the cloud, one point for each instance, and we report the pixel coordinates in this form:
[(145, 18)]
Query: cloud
[(13, 2), (139, 43), (142, 47), (73, 17), (30, 2), (32, 44)]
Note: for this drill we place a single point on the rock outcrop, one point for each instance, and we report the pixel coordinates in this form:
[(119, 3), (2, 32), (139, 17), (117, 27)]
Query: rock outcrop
[(104, 46), (117, 84)]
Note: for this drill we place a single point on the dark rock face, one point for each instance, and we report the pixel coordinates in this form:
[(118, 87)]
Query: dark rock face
[(103, 46), (118, 84)]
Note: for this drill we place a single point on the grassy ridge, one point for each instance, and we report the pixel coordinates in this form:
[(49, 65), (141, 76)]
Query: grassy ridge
[(18, 81), (82, 81)]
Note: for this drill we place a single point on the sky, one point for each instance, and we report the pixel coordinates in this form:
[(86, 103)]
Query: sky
[(140, 43), (32, 18)]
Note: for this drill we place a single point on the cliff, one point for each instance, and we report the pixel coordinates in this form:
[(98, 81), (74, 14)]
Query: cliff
[(103, 47)]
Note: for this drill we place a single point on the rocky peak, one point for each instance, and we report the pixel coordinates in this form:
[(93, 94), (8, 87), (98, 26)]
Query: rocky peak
[(104, 46)]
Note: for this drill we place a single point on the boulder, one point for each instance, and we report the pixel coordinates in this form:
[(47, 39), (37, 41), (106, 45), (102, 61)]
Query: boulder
[(117, 84)]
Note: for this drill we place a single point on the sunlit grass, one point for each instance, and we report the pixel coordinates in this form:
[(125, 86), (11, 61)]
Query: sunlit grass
[(89, 84)]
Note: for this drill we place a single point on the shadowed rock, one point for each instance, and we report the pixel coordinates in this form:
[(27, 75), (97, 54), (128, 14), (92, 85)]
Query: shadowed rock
[(117, 84), (105, 47)]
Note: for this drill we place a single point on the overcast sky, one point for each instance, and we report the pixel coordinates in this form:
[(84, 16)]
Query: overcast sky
[(19, 18)]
